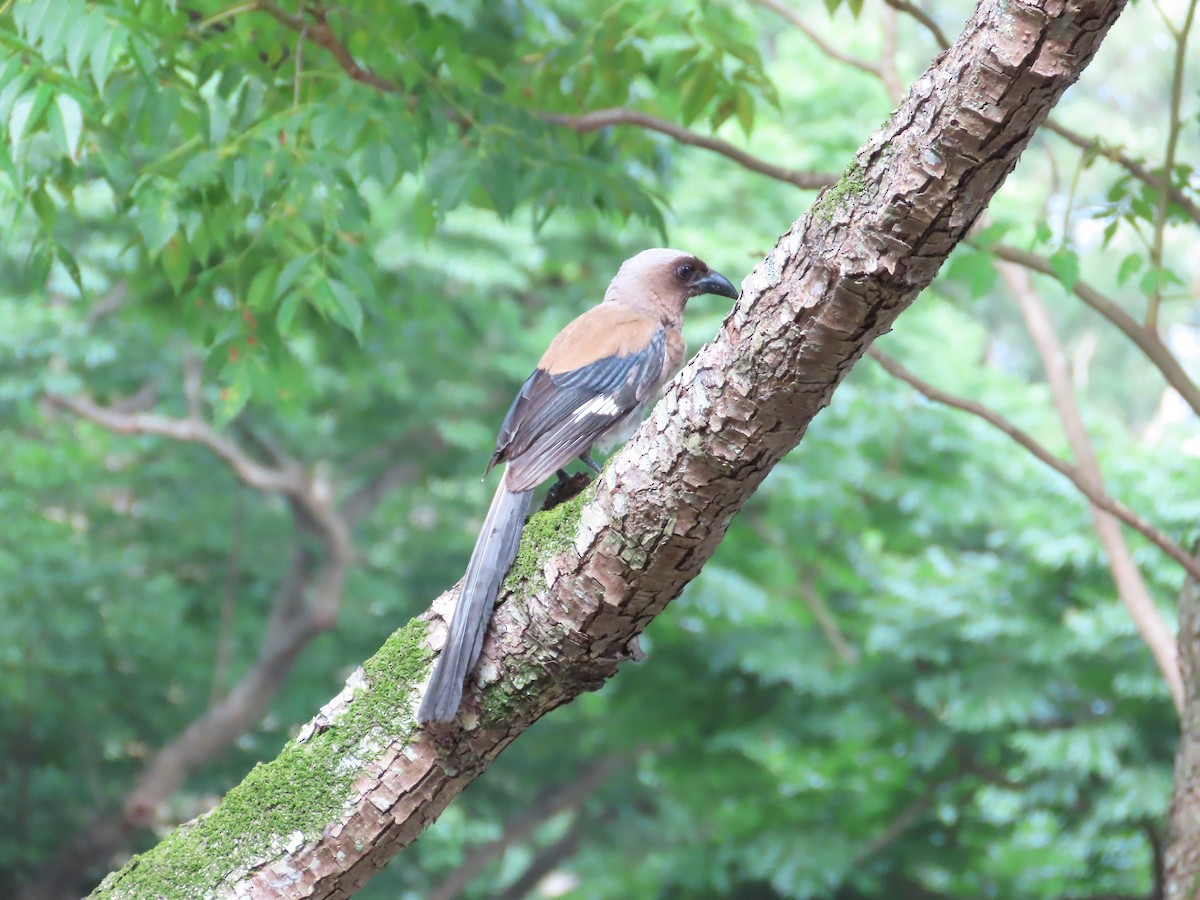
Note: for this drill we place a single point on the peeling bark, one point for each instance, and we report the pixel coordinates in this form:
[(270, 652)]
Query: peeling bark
[(583, 590)]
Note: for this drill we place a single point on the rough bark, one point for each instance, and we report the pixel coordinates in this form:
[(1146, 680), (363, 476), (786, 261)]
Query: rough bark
[(361, 781), (1182, 857)]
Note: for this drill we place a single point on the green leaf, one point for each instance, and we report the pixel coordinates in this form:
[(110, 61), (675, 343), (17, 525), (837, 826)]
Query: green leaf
[(744, 110), (66, 122), (106, 51), (1154, 280), (26, 112), (68, 262), (1129, 267), (176, 262), (345, 308), (156, 220), (287, 313), (232, 399), (262, 289), (698, 92), (1065, 264), (43, 207), (81, 35), (288, 276)]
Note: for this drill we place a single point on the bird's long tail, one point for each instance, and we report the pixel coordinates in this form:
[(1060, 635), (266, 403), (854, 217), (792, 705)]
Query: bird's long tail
[(494, 552)]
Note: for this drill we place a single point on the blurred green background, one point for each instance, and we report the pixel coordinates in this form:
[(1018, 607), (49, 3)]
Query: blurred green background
[(906, 672)]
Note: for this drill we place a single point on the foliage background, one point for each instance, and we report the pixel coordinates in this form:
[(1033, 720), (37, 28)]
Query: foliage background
[(905, 673)]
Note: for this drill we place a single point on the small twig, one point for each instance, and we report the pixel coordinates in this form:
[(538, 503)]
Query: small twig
[(607, 118), (298, 67), (823, 45), (191, 430), (911, 9), (1175, 125), (889, 73), (1099, 498), (321, 34)]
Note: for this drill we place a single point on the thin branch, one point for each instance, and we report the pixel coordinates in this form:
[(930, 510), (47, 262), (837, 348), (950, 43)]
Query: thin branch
[(912, 9), (1129, 164), (305, 605), (889, 72), (1147, 341), (319, 32), (1083, 142), (823, 45), (1099, 498), (190, 430), (607, 118), (1175, 124), (1131, 588)]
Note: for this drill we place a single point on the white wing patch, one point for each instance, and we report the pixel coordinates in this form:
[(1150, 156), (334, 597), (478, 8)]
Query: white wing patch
[(597, 406)]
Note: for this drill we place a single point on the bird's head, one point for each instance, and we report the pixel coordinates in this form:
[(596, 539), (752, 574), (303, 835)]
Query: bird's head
[(665, 280)]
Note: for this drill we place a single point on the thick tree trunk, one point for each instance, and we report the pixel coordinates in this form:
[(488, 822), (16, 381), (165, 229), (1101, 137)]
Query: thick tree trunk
[(1182, 857), (362, 781)]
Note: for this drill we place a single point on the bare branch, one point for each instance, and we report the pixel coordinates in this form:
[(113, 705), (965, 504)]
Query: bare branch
[(319, 32), (1098, 498), (1174, 126), (916, 12), (1147, 341), (1131, 588), (608, 118), (786, 12), (889, 73), (194, 431)]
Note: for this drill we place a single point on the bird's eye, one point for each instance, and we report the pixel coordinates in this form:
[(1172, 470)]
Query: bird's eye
[(685, 271)]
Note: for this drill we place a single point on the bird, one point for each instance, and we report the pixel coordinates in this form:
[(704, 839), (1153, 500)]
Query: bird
[(589, 391)]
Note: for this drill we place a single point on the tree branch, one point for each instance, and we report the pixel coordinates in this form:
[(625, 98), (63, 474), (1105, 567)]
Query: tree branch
[(1147, 341), (608, 118), (1131, 588), (584, 588), (1072, 474), (916, 12), (786, 12), (305, 605), (318, 31)]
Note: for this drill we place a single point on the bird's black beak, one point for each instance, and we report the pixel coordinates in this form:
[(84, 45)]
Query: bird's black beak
[(715, 283)]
